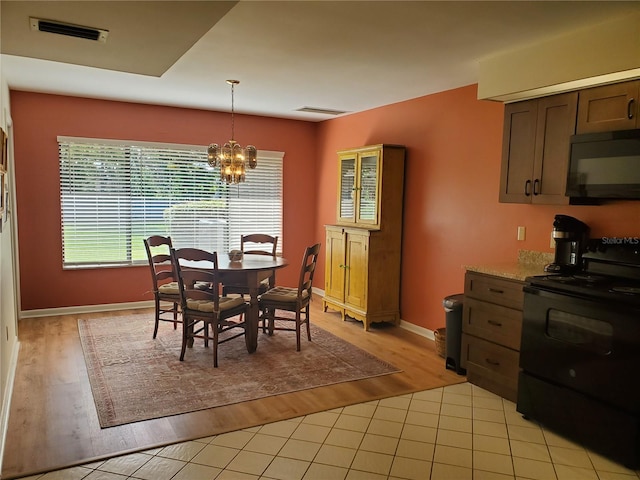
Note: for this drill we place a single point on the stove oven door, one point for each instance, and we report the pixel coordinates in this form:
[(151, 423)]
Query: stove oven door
[(589, 346)]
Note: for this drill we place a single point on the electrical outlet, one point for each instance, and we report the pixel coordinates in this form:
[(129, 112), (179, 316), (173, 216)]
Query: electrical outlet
[(522, 231)]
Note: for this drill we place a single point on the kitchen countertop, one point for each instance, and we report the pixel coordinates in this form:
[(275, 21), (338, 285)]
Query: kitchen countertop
[(528, 263)]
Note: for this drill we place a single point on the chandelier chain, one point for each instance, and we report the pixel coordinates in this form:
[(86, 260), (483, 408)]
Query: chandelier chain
[(232, 113)]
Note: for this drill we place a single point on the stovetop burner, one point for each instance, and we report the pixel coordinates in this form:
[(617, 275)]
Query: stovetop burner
[(627, 290), (580, 279), (611, 272), (591, 287)]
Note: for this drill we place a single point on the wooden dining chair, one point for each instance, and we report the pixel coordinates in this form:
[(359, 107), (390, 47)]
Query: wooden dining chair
[(291, 299), (255, 244), (165, 285), (205, 309)]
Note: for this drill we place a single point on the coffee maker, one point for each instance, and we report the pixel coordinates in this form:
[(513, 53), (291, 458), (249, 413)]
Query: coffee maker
[(570, 235)]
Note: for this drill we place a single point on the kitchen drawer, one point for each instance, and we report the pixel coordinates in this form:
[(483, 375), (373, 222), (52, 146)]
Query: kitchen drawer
[(492, 289), (491, 366), (492, 322)]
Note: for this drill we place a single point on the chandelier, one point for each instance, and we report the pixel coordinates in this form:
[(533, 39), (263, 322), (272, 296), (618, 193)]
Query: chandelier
[(231, 157)]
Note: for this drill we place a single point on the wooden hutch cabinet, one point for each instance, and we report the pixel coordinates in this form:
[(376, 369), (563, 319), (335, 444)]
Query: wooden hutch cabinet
[(535, 152), (609, 107), (362, 271)]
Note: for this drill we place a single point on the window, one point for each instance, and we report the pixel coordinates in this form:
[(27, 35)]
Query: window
[(115, 193)]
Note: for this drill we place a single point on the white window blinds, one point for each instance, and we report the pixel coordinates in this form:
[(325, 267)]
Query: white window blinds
[(115, 193)]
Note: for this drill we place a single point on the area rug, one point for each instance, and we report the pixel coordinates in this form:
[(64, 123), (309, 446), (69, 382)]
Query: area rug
[(134, 377)]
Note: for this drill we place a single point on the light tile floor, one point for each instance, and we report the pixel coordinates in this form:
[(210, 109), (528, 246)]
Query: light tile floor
[(459, 432)]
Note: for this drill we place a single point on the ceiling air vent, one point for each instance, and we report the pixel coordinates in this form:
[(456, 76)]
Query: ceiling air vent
[(68, 29), (324, 111)]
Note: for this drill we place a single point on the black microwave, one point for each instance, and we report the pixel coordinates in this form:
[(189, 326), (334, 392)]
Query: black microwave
[(604, 165)]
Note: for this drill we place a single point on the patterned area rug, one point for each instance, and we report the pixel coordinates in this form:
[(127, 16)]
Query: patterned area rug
[(134, 377)]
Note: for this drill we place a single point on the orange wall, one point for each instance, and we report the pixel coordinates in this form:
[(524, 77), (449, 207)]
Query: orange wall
[(452, 216), (38, 119)]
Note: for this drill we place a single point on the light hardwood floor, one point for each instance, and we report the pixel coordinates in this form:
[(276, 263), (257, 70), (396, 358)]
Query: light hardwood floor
[(53, 422)]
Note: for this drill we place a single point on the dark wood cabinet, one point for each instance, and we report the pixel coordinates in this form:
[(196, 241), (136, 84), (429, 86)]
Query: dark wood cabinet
[(535, 152), (491, 331), (609, 107)]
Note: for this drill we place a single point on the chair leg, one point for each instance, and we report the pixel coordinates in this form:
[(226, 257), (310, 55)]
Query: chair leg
[(185, 337), (298, 315), (215, 343), (306, 316), (155, 328), (264, 320), (175, 316), (272, 320)]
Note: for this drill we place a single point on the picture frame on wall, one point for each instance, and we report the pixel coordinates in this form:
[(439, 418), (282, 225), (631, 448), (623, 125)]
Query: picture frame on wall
[(3, 150)]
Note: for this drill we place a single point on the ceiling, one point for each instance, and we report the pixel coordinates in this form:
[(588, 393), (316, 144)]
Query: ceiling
[(347, 56)]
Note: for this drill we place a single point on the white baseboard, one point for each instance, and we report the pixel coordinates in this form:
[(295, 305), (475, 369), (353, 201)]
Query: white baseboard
[(6, 401), (424, 332), (48, 312)]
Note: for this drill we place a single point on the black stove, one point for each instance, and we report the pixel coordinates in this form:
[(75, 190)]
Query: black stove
[(580, 350), (610, 272)]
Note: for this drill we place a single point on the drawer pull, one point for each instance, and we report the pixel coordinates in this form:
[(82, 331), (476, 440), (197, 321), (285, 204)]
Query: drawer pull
[(492, 362), (495, 290), (494, 323)]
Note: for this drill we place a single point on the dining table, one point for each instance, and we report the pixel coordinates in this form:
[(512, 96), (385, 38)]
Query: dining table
[(250, 270)]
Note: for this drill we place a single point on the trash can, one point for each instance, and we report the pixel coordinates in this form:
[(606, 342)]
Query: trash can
[(453, 313)]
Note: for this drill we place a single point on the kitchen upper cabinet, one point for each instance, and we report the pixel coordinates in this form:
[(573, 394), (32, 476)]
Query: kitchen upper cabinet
[(362, 270), (362, 197), (609, 107), (535, 151)]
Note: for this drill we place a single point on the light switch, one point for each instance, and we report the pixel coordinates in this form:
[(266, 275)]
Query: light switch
[(521, 233)]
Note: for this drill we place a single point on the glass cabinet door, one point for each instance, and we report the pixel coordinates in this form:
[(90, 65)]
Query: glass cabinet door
[(347, 188), (367, 188)]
